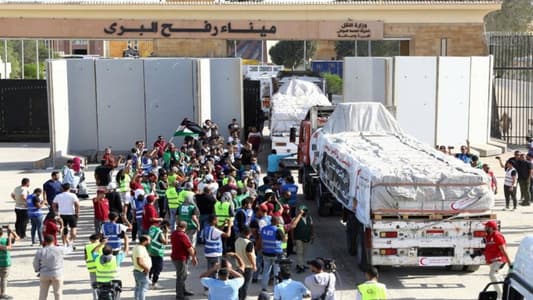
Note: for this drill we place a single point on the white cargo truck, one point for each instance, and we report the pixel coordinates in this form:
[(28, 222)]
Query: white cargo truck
[(404, 203), (289, 107)]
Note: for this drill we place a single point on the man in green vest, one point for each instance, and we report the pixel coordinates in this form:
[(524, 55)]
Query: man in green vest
[(371, 289), (173, 203), (106, 268), (188, 212), (303, 234), (156, 249), (94, 241), (185, 192), (5, 259), (224, 212)]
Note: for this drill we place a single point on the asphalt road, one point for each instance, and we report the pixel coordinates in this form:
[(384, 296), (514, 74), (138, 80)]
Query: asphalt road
[(403, 283)]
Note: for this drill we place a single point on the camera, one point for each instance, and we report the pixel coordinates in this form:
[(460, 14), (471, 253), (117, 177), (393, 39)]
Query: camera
[(284, 264), (329, 264)]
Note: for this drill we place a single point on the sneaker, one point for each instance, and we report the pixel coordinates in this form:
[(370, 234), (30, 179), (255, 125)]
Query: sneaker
[(264, 290), (6, 297), (524, 203), (188, 293), (506, 208), (154, 286)]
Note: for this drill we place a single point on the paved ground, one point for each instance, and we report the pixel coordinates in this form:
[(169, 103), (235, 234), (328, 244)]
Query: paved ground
[(403, 283)]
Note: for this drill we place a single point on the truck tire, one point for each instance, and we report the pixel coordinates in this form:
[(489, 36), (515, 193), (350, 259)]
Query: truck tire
[(455, 268), (321, 202), (471, 268)]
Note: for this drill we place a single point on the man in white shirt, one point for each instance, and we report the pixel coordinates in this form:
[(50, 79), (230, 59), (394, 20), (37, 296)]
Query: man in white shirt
[(67, 206), (289, 289), (142, 264), (320, 282)]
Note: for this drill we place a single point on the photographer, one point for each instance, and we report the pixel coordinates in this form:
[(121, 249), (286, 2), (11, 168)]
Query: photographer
[(321, 284), (222, 288), (289, 289)]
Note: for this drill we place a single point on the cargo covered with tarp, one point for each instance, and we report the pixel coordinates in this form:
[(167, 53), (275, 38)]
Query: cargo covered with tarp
[(292, 102), (371, 166)]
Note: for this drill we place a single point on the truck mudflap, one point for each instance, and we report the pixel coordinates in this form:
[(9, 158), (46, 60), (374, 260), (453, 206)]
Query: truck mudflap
[(425, 243)]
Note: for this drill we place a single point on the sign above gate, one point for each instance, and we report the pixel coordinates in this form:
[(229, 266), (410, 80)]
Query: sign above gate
[(185, 29)]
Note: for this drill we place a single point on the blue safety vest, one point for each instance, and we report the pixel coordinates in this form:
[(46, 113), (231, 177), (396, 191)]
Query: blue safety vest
[(248, 216), (212, 245), (271, 245), (33, 211), (111, 232), (139, 208)]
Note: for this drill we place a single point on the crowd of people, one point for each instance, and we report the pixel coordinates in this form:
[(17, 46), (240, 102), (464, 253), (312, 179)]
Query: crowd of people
[(204, 199)]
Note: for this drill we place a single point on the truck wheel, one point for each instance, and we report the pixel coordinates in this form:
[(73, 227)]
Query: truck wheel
[(471, 268), (321, 203)]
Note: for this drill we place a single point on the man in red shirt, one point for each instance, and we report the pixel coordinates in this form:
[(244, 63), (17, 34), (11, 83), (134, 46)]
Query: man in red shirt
[(182, 249), (160, 144), (495, 252), (101, 209), (150, 216)]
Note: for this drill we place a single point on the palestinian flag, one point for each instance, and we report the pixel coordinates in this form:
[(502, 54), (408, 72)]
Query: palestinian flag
[(188, 128)]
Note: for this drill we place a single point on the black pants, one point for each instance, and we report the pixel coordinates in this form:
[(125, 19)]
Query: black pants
[(509, 194), (157, 267), (21, 222), (163, 206), (243, 291)]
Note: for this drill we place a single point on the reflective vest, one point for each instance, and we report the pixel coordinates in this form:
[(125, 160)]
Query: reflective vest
[(182, 195), (5, 255), (372, 291), (222, 212), (107, 272), (508, 178), (161, 192), (155, 248), (89, 259), (125, 183), (248, 215), (212, 245), (185, 212), (111, 231), (139, 208), (33, 211), (283, 244), (271, 245), (172, 197)]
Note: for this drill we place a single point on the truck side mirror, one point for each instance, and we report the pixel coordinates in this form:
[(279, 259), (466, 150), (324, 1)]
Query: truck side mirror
[(292, 135), (488, 295)]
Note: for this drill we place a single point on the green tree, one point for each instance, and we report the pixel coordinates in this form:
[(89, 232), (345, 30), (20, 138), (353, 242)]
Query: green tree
[(291, 53), (14, 56), (333, 82), (514, 16)]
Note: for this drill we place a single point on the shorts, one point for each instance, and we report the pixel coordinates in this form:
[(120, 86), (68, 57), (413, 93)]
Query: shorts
[(70, 221)]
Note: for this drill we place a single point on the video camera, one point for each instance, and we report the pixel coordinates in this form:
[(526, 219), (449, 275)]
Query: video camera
[(329, 264), (284, 264)]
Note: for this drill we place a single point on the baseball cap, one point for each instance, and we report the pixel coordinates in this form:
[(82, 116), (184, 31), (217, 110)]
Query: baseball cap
[(317, 263), (150, 198), (138, 192), (270, 206), (263, 207), (269, 191), (209, 178), (491, 224)]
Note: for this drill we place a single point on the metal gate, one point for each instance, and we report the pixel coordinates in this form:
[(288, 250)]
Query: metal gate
[(512, 102), (252, 105), (23, 111)]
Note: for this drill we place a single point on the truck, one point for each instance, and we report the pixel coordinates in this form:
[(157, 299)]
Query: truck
[(289, 106), (403, 203)]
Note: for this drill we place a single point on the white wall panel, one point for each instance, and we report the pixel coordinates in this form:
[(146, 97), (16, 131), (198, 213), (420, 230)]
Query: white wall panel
[(366, 79), (453, 100), (226, 92), (415, 80), (120, 103), (169, 94), (58, 106), (83, 135), (480, 89)]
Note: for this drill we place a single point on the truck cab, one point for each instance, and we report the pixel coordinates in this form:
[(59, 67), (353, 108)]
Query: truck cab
[(518, 285)]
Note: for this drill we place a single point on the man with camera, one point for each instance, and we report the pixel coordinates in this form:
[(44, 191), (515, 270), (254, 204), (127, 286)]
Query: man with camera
[(320, 283), (222, 288)]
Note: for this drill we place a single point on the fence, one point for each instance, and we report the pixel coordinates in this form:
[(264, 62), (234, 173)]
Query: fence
[(512, 101)]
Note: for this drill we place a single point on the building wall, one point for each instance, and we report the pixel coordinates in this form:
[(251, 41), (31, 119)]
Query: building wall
[(146, 48), (463, 39), (190, 48)]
